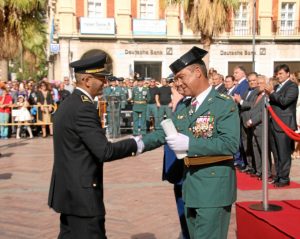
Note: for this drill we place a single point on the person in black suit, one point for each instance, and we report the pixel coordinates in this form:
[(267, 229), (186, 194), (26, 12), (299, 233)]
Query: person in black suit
[(218, 83), (283, 99), (80, 149), (245, 102)]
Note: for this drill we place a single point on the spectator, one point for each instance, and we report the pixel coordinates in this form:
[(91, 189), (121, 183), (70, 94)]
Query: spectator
[(45, 107), (229, 85), (63, 93), (165, 101), (68, 85), (218, 83), (5, 110), (23, 116)]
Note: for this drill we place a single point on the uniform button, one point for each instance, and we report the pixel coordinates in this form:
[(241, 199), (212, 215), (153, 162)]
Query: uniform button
[(94, 184), (190, 129), (213, 173), (132, 153), (196, 155)]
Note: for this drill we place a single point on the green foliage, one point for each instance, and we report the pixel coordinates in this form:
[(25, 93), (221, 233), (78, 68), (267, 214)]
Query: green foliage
[(24, 33)]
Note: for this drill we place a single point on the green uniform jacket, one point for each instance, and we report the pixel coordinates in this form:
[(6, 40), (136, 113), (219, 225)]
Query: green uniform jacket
[(214, 129), (139, 96)]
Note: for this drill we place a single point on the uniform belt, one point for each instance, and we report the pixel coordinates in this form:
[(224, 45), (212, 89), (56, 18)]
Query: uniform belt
[(139, 102), (191, 161)]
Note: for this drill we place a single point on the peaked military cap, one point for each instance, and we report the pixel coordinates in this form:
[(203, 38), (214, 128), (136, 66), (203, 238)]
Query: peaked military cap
[(170, 78), (194, 55), (120, 79), (140, 78), (91, 65), (112, 78)]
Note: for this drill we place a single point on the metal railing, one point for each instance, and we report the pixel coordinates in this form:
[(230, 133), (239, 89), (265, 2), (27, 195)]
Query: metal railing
[(286, 28)]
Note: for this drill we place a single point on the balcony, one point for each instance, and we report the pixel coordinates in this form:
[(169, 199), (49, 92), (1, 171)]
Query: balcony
[(286, 28)]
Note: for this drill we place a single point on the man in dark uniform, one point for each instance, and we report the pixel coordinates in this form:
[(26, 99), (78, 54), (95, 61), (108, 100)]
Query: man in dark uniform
[(80, 149)]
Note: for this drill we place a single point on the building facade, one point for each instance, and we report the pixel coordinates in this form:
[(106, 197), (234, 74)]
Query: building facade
[(141, 36)]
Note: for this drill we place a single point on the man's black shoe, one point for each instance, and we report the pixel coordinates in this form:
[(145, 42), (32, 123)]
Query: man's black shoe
[(281, 184)]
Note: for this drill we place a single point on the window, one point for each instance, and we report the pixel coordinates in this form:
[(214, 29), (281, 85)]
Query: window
[(287, 22), (95, 8), (147, 9), (241, 20)]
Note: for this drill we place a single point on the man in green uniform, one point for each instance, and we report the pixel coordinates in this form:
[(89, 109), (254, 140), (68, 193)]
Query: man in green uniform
[(113, 95), (139, 98), (208, 133)]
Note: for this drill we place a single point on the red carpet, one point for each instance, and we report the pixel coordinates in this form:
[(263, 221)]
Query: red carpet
[(267, 225), (245, 182), (293, 203)]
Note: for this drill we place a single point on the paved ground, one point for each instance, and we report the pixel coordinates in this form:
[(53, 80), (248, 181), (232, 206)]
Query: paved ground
[(139, 205)]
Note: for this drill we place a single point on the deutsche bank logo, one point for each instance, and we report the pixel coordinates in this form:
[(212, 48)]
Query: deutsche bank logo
[(54, 48)]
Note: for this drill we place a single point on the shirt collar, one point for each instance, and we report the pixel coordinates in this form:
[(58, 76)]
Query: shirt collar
[(201, 97), (241, 80), (283, 83), (85, 92)]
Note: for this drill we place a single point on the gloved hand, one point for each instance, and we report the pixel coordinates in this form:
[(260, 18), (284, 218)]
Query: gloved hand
[(140, 144), (178, 142)]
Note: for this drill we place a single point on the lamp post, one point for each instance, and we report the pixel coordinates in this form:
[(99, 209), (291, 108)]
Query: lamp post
[(253, 35)]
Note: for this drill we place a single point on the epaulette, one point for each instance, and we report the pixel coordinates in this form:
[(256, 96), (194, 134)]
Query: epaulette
[(84, 98), (225, 97)]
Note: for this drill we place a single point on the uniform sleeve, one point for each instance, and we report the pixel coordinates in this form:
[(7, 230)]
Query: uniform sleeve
[(225, 141), (93, 136)]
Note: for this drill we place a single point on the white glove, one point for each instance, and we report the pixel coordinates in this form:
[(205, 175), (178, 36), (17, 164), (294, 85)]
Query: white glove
[(140, 144), (178, 142)]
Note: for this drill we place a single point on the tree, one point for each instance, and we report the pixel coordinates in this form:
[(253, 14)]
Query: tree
[(23, 32), (206, 17)]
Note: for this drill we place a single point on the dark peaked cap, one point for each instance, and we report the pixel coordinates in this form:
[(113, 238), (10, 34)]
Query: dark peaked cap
[(194, 55), (91, 65)]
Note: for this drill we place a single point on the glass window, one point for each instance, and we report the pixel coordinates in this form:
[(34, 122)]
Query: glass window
[(95, 8), (147, 9), (287, 21), (241, 19)]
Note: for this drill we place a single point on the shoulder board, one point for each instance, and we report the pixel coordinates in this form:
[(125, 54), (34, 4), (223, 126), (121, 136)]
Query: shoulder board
[(84, 98), (224, 97)]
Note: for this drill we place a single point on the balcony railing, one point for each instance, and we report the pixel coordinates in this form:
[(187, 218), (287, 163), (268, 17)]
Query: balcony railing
[(286, 28), (242, 28)]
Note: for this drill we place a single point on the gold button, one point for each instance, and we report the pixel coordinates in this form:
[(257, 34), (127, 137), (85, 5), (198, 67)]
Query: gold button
[(132, 153), (94, 184), (213, 173)]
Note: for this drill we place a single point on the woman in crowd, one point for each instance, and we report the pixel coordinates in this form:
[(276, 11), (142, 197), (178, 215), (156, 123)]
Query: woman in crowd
[(45, 107), (23, 116), (5, 110)]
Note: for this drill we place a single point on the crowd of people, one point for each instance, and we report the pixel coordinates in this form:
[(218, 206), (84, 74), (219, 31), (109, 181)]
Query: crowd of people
[(29, 105)]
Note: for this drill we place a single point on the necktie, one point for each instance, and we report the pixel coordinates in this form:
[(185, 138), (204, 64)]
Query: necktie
[(278, 88), (194, 103), (258, 98)]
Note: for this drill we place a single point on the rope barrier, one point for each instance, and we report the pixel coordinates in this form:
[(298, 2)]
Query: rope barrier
[(289, 132)]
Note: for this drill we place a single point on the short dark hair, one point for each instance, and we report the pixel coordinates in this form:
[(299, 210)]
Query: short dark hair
[(284, 67), (202, 66), (242, 68), (230, 76), (253, 73)]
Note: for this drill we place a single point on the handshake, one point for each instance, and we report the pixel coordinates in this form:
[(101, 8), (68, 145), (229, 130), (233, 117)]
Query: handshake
[(178, 142)]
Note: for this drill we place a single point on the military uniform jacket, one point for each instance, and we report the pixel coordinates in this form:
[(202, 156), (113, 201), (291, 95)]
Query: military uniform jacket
[(117, 91), (138, 97), (214, 129), (80, 149)]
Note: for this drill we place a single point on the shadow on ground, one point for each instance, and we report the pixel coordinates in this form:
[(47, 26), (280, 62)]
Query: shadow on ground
[(5, 176), (144, 236)]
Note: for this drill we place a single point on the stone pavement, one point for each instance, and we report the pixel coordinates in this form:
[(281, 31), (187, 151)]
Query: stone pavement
[(139, 205)]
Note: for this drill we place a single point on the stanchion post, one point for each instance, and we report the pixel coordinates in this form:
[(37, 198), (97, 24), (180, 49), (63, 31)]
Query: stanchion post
[(264, 205)]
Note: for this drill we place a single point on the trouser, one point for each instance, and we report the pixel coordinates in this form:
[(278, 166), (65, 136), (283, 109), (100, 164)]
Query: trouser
[(4, 117), (180, 210), (139, 122), (164, 109), (75, 227), (208, 223), (282, 147), (152, 110)]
